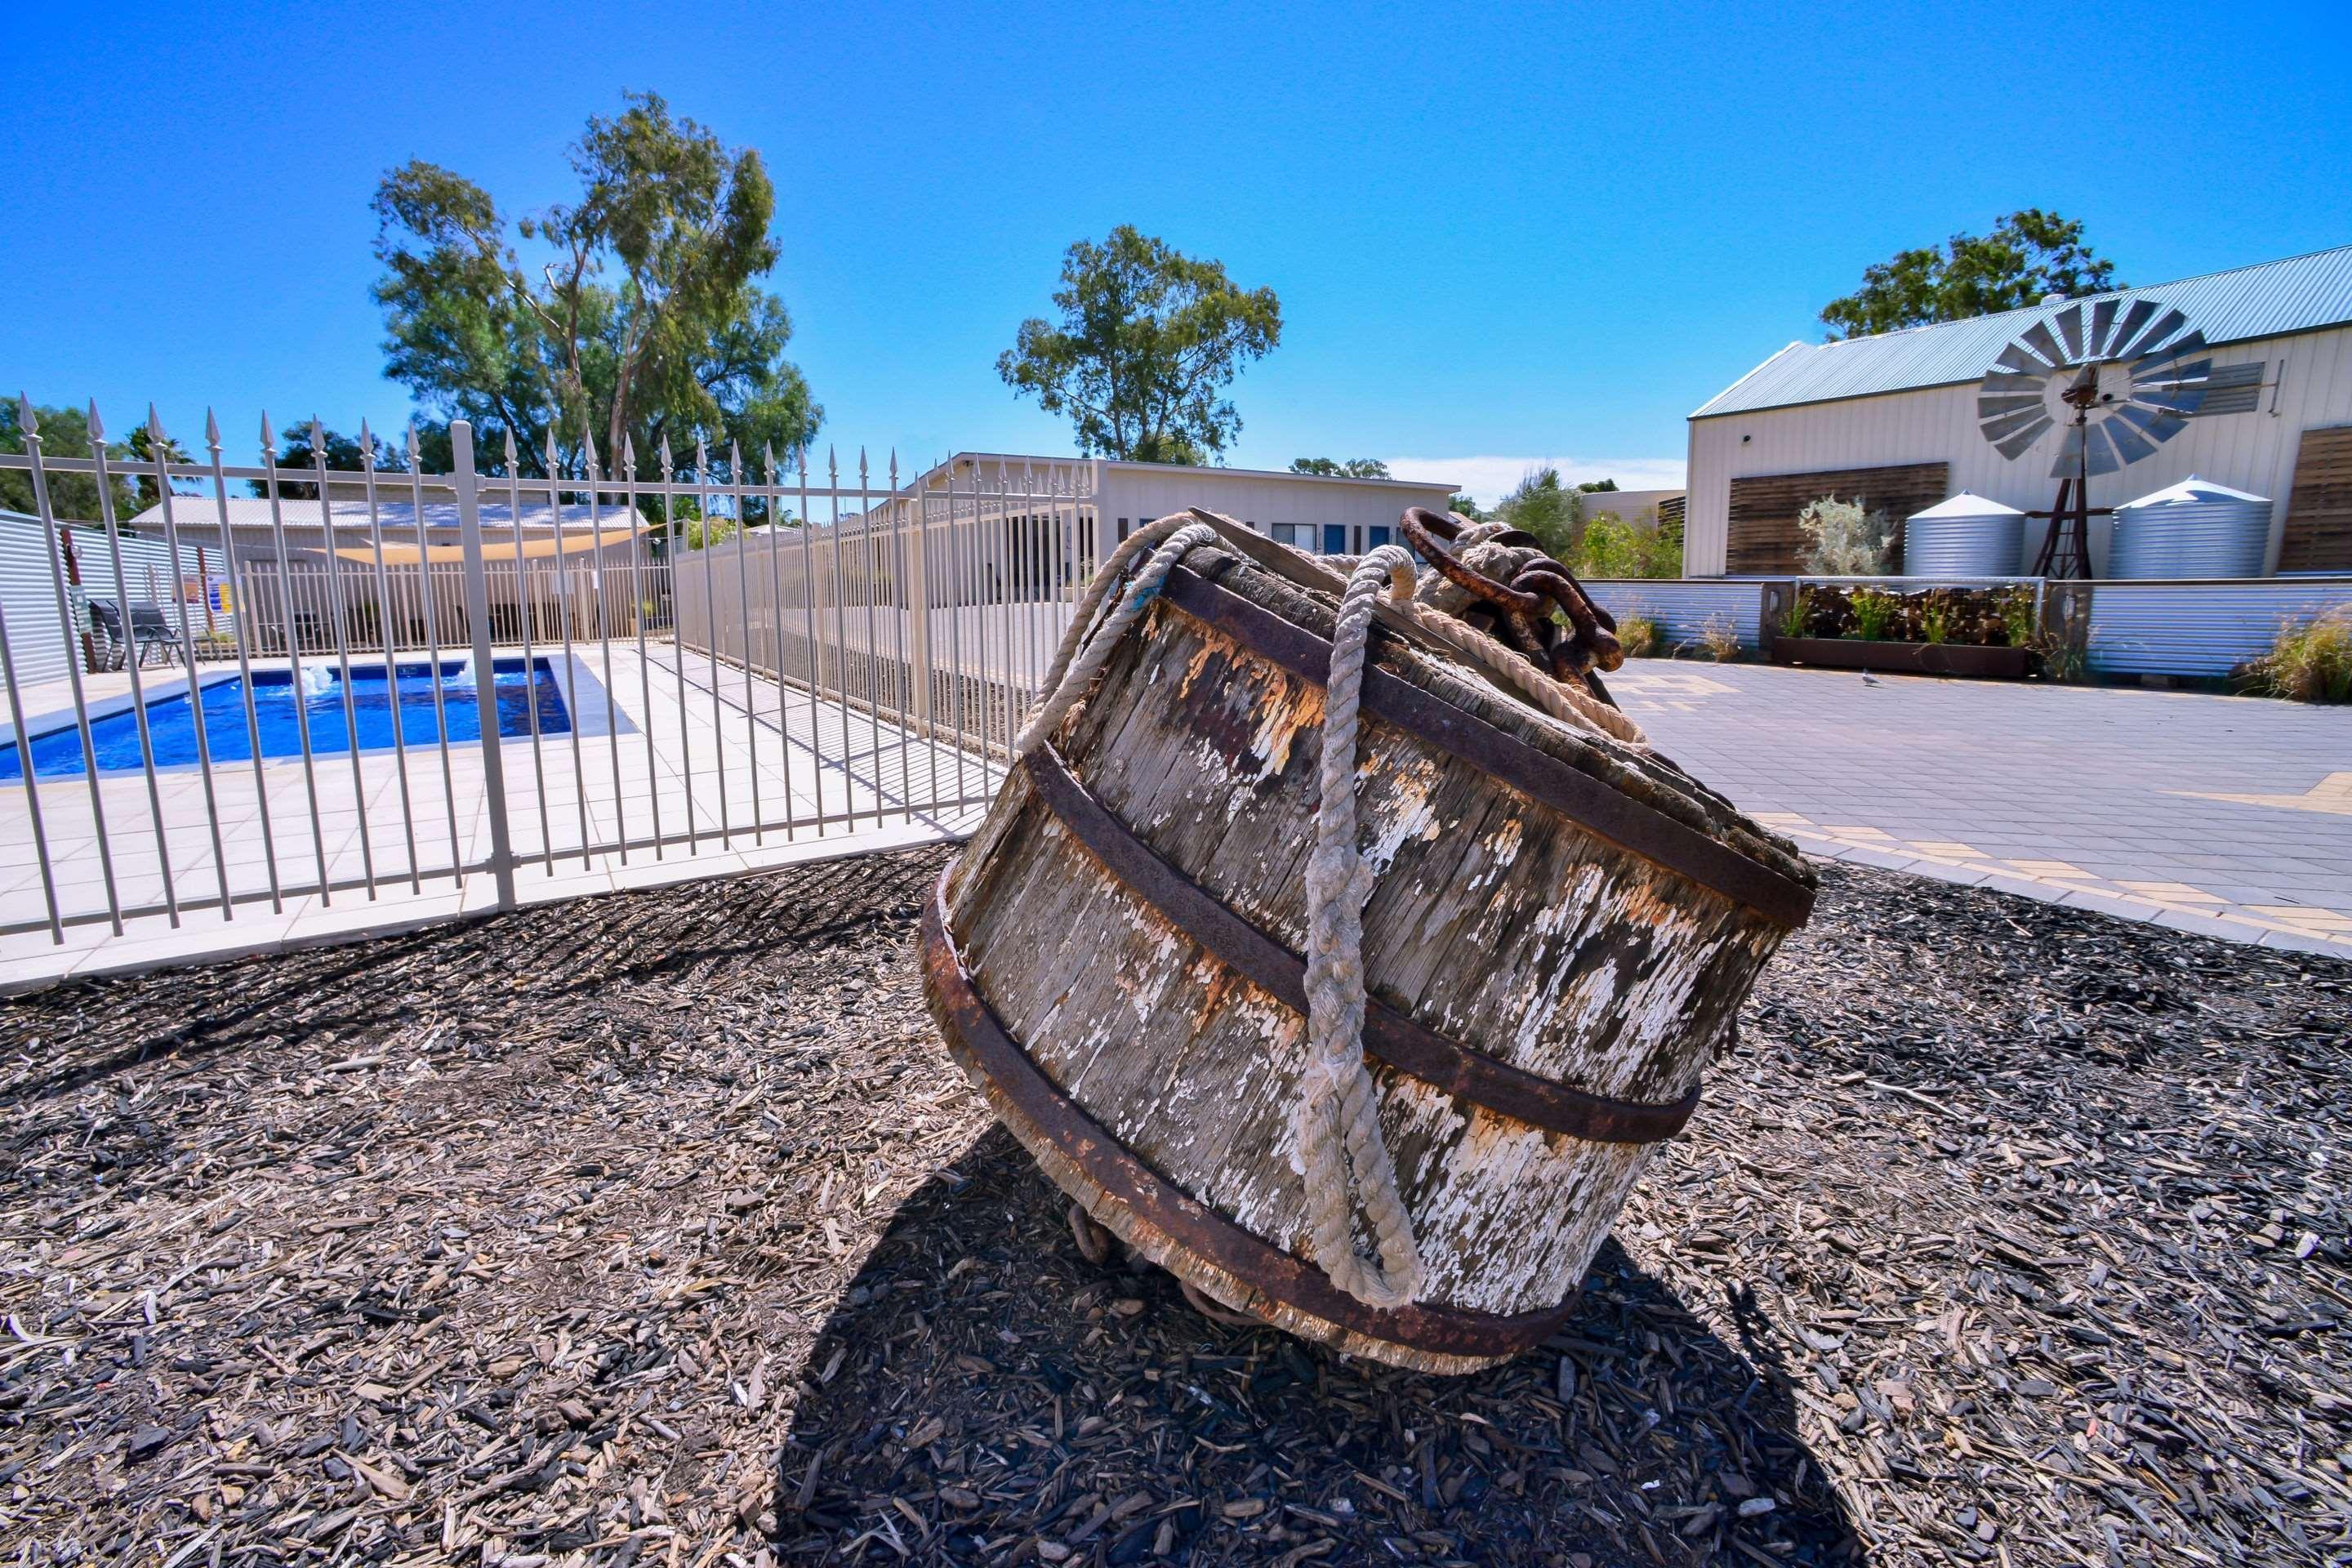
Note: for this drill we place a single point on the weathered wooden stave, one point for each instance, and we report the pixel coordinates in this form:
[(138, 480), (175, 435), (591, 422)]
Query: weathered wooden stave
[(1186, 735)]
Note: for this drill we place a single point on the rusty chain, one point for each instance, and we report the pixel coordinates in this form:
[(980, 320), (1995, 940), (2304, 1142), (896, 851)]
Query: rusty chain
[(1520, 611)]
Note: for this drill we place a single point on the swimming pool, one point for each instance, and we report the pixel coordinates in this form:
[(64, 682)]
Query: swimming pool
[(282, 713)]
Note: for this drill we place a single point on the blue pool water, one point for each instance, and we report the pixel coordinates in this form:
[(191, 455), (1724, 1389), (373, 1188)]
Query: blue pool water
[(282, 713)]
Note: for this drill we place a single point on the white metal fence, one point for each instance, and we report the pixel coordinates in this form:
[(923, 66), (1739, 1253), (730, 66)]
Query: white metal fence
[(387, 716), (933, 609)]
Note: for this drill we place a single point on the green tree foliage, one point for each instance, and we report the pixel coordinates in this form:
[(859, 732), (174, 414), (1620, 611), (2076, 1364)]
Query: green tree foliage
[(1544, 507), (64, 433), (647, 321), (143, 448), (1597, 487), (1333, 469), (2029, 252), (1147, 340), (1617, 546), (1468, 505), (295, 450)]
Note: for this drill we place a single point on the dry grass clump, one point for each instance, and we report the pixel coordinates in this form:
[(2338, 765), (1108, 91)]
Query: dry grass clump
[(2310, 662), (1638, 636), (1720, 638)]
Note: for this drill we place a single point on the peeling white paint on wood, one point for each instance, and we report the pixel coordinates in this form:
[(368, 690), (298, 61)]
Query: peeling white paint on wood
[(1495, 920)]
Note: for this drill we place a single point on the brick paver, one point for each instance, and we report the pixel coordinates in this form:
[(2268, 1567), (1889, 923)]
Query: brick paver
[(2229, 815)]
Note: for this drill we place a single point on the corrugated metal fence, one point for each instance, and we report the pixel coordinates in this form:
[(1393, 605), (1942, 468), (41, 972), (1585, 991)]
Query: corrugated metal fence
[(1683, 609), (38, 640), (2200, 629)]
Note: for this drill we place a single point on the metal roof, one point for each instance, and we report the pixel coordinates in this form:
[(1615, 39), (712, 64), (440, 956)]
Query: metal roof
[(203, 511), (2299, 294), (1012, 459)]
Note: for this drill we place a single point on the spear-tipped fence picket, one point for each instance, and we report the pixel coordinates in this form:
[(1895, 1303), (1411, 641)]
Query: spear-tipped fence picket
[(293, 722)]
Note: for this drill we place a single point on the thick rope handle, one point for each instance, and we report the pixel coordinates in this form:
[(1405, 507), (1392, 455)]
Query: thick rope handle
[(1085, 649), (1342, 1157)]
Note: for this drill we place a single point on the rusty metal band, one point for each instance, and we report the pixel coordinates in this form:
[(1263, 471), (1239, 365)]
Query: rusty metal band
[(979, 1038), (1586, 801), (1389, 1035)]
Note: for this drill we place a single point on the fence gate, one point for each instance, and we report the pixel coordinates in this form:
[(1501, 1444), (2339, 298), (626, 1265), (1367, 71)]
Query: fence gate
[(412, 694)]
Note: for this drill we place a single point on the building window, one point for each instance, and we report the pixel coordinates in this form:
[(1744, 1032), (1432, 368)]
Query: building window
[(1122, 528), (1288, 534), (1335, 538)]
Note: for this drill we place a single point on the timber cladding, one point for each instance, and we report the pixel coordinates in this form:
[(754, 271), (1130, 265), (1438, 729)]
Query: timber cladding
[(1763, 536), (2318, 536)]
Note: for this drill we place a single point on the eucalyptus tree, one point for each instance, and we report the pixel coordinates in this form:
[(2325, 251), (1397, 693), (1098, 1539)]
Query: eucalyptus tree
[(633, 313), (1147, 341)]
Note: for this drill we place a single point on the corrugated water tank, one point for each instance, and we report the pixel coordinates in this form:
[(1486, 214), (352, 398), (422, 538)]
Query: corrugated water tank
[(1967, 536), (2193, 528)]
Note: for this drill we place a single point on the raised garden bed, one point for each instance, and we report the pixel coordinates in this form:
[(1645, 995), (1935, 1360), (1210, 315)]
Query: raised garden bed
[(1904, 658)]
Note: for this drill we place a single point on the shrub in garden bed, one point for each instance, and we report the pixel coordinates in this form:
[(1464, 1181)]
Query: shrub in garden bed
[(1967, 617)]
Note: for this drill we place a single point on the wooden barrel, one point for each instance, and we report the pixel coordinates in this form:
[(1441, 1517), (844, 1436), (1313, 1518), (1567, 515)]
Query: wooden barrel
[(1563, 930)]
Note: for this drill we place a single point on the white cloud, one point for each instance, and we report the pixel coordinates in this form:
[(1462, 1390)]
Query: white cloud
[(1489, 478)]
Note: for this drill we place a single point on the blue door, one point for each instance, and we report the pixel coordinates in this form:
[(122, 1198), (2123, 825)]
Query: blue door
[(1376, 536), (1335, 538)]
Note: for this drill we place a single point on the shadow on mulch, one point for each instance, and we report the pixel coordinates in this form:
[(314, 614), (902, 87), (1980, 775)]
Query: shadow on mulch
[(982, 1394)]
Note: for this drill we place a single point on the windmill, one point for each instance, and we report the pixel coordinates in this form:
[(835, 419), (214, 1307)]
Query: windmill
[(2119, 380)]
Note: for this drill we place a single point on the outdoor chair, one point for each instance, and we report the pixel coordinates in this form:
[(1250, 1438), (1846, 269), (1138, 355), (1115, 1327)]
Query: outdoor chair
[(150, 629), (106, 631)]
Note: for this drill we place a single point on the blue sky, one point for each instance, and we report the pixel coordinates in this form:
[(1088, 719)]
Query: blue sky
[(1498, 236)]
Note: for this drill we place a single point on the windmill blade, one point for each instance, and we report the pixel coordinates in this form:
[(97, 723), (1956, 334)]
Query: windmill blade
[(2103, 319), (2194, 373), (2136, 316), (2069, 322), (2129, 443), (2148, 364), (2037, 338), (2014, 447), (2000, 380), (2099, 452), (2070, 454), (2020, 360), (2187, 400), (2146, 342), (2002, 427), (2158, 424), (1995, 407)]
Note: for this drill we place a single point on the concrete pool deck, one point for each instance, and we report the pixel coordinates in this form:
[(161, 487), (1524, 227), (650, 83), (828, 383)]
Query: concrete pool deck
[(697, 764)]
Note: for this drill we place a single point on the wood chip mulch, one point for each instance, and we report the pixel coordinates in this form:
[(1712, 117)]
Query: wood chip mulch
[(659, 1229)]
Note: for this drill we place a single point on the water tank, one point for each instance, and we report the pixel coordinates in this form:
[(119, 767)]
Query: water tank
[(2193, 528), (1967, 536)]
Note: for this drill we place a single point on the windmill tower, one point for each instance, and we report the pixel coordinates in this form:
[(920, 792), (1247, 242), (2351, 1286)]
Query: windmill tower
[(2118, 381)]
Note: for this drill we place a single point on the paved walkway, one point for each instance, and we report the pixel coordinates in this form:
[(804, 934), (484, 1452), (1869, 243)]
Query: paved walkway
[(2227, 815)]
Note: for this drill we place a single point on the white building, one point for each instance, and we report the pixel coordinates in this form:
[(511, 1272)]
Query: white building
[(1319, 514), (1895, 419), (254, 528)]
